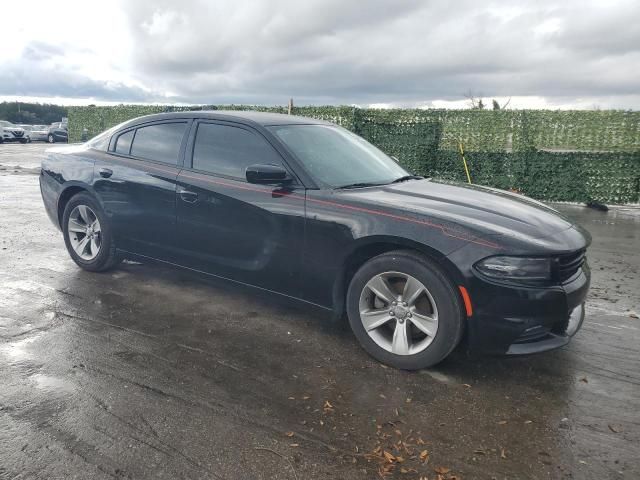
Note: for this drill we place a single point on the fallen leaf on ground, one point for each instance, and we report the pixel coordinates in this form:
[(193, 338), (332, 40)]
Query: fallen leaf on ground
[(528, 421), (502, 422), (389, 456), (289, 434), (424, 456), (294, 445), (584, 380), (503, 454), (615, 428), (442, 470)]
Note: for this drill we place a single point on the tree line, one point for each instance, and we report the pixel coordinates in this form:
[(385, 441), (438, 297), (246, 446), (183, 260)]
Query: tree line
[(32, 113)]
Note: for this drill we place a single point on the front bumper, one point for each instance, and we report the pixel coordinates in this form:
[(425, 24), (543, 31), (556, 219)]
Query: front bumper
[(13, 138), (519, 320)]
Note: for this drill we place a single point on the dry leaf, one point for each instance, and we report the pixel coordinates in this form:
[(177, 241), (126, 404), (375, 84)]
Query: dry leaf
[(528, 421), (294, 445), (424, 455), (584, 380), (502, 422), (289, 434), (615, 428), (408, 400), (442, 470), (503, 454), (389, 456)]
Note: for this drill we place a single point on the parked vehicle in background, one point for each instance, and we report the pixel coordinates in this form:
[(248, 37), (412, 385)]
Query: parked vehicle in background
[(58, 132), (27, 131), (12, 133), (309, 210), (39, 133)]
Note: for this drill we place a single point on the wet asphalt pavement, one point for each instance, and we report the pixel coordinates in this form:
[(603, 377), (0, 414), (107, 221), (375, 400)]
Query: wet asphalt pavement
[(151, 372)]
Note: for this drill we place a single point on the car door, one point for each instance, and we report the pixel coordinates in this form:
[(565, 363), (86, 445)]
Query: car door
[(136, 182), (229, 227)]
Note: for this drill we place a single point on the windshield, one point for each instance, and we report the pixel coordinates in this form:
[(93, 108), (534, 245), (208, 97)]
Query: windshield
[(4, 123), (336, 157)]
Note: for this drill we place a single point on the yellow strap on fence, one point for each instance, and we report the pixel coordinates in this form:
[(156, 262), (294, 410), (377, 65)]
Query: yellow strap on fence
[(464, 161)]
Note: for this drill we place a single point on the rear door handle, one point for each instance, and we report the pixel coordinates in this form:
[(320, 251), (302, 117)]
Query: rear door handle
[(188, 196), (105, 172)]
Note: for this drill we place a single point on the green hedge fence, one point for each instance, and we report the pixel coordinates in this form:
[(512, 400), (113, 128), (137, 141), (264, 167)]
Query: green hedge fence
[(576, 156)]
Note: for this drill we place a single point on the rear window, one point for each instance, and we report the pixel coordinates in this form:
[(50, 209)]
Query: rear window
[(123, 143), (159, 142)]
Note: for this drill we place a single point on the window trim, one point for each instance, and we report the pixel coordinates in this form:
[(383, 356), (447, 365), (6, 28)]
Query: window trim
[(188, 160), (181, 151)]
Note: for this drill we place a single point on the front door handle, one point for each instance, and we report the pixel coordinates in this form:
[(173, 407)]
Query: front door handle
[(188, 196), (105, 172)]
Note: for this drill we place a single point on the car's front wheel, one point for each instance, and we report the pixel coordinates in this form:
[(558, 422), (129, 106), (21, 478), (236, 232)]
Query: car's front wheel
[(88, 235), (404, 310), (51, 139)]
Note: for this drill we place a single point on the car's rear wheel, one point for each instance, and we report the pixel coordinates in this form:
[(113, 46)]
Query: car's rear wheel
[(404, 310), (88, 235), (51, 139)]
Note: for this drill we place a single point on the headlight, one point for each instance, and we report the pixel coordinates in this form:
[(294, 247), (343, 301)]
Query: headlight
[(516, 268)]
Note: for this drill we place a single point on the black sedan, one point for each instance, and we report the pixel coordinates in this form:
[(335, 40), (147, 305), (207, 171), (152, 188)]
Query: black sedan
[(308, 210), (58, 132)]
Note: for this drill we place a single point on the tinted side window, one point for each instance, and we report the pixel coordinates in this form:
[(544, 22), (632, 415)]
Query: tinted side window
[(159, 142), (226, 150), (123, 142)]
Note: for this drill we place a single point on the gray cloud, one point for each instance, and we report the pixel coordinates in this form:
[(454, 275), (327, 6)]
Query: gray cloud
[(339, 51), (42, 71), (408, 51)]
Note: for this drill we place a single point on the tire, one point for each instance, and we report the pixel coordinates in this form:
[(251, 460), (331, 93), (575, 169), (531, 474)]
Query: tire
[(438, 310), (51, 139), (24, 140), (87, 259)]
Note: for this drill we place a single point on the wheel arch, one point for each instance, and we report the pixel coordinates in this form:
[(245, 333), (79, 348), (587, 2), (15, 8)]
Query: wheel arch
[(69, 191), (370, 247)]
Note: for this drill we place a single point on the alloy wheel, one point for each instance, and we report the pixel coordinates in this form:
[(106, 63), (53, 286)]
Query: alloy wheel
[(84, 232), (399, 313)]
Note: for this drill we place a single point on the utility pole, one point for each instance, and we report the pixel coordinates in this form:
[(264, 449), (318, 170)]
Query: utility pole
[(290, 106)]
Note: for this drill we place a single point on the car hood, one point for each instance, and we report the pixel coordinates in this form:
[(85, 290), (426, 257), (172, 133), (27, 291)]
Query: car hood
[(487, 211)]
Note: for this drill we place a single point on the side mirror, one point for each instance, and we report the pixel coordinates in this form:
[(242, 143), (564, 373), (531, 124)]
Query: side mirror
[(267, 174)]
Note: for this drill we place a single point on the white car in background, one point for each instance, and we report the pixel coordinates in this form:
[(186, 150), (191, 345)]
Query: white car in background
[(12, 133), (39, 133)]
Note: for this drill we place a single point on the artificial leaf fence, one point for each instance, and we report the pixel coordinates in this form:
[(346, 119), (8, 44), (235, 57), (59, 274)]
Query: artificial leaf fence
[(576, 156)]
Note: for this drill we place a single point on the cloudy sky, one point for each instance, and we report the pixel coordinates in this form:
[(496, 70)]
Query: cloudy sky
[(541, 54)]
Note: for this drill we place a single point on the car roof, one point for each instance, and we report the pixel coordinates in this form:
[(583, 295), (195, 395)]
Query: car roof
[(243, 116)]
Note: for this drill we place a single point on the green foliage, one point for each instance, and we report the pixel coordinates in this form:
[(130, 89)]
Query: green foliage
[(31, 113), (550, 155)]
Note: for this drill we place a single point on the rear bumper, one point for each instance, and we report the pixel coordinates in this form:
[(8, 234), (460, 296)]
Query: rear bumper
[(523, 320), (50, 191)]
